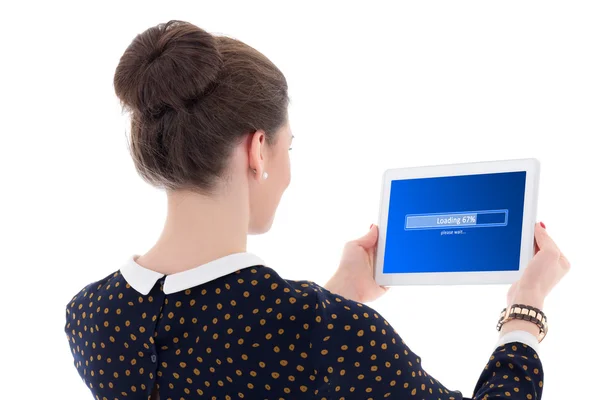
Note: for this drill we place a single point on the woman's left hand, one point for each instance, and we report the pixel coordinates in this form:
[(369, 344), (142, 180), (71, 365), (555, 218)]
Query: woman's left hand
[(354, 277)]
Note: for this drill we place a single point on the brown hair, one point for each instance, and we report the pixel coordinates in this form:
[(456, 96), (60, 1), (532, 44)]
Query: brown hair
[(192, 97)]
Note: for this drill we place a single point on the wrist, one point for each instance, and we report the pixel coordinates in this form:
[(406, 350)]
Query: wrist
[(524, 313), (520, 325), (529, 297)]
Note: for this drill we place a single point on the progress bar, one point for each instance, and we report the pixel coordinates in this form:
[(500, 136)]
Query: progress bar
[(463, 219)]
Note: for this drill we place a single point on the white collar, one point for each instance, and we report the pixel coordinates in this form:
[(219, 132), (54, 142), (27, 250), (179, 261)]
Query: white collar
[(143, 279)]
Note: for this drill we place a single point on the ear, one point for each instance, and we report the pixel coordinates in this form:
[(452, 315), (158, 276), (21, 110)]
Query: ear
[(256, 151)]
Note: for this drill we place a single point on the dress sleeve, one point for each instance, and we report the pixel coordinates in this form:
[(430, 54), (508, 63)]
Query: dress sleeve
[(514, 371), (360, 355)]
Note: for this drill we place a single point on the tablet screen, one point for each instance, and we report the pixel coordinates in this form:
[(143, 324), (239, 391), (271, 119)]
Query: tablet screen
[(455, 224)]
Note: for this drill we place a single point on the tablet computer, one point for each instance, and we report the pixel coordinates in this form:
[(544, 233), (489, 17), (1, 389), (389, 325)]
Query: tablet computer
[(457, 224)]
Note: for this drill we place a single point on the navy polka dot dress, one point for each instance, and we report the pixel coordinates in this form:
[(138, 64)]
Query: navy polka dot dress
[(249, 334)]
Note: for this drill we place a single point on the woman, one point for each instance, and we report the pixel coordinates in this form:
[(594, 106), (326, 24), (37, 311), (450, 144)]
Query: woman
[(199, 317)]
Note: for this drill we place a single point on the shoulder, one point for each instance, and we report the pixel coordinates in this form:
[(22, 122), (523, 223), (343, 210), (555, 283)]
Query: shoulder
[(333, 314), (92, 293), (310, 303), (332, 308), (90, 288), (286, 294)]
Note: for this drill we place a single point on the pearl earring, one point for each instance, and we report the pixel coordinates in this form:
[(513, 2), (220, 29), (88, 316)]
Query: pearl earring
[(265, 175)]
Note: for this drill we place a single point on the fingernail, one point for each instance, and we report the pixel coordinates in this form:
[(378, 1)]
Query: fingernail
[(543, 225), (371, 226)]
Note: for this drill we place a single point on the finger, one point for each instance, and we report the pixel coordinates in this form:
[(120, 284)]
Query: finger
[(536, 248), (544, 241), (562, 260), (371, 256), (369, 240)]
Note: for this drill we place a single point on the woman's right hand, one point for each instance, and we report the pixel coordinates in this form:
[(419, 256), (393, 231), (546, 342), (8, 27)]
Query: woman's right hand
[(544, 271)]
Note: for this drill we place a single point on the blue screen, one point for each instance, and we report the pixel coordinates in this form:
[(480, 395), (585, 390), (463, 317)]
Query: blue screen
[(455, 224)]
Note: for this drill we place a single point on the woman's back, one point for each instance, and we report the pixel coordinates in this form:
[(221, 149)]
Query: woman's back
[(250, 334)]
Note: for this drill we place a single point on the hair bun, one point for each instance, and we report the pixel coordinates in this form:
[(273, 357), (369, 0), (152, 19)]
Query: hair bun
[(179, 50)]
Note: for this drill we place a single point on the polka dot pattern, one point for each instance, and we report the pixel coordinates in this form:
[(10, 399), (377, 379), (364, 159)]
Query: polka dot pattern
[(514, 371), (253, 335)]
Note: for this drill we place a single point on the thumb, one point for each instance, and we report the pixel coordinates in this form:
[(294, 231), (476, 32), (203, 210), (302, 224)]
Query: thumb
[(370, 239), (543, 240)]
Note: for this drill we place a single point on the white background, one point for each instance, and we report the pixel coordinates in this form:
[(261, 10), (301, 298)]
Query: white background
[(372, 87)]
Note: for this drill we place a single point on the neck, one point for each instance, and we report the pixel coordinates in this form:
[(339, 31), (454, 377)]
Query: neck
[(198, 229)]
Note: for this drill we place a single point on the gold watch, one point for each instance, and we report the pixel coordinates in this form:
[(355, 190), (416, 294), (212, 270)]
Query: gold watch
[(525, 313)]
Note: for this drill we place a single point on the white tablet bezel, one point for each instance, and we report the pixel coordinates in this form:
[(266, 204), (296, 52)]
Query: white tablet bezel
[(532, 168)]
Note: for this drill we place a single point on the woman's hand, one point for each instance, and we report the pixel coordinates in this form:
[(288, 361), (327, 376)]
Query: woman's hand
[(354, 277), (548, 266)]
